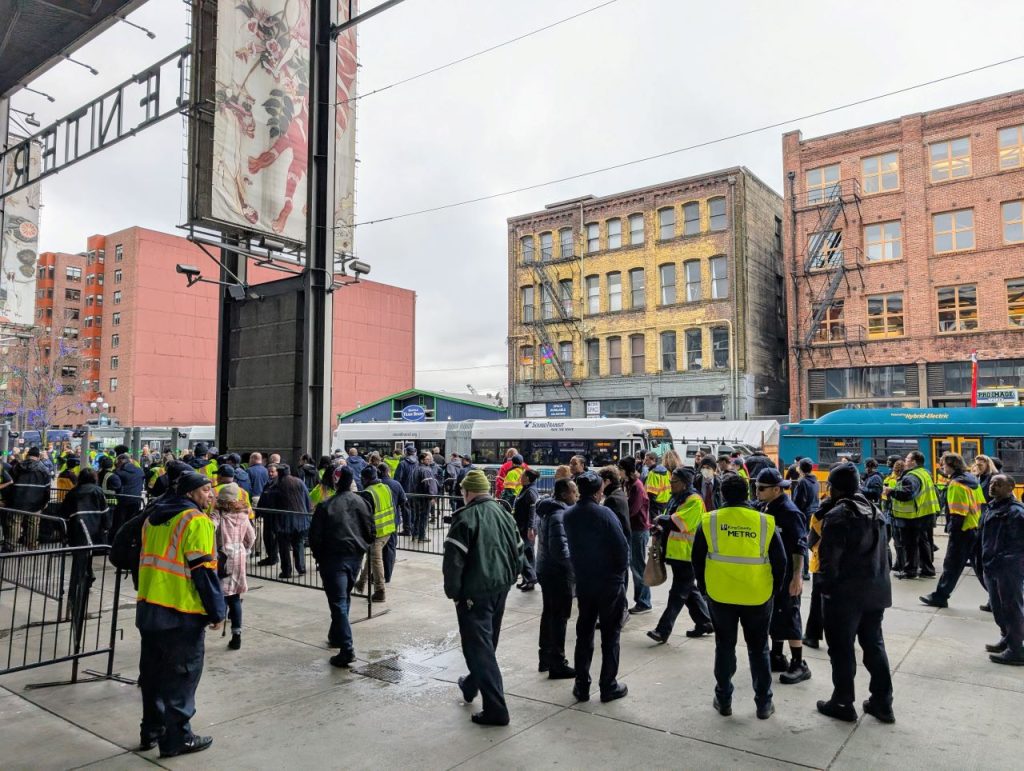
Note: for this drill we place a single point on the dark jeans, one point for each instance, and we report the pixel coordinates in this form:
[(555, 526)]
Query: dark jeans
[(1007, 600), (404, 513), (926, 543), (638, 541), (958, 552), (338, 575), (292, 544), (815, 623), (608, 608), (755, 620), (170, 666), (529, 573), (557, 598), (682, 593), (269, 536), (234, 603), (911, 533), (420, 517), (844, 623), (390, 555), (480, 627)]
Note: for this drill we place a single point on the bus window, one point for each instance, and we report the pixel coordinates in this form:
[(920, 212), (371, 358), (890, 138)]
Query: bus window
[(883, 449), (485, 451), (833, 450), (969, 450), (604, 453), (1011, 453)]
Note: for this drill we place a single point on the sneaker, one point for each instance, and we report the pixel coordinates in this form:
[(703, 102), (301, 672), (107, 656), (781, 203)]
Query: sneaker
[(658, 637), (639, 610), (343, 659), (700, 631), (885, 714), (904, 576), (192, 744), (580, 694), (928, 573), (722, 708), (236, 642), (146, 743), (468, 694), (617, 692), (932, 601), (266, 561), (482, 718), (844, 712), (528, 587), (562, 672), (1014, 659), (765, 711), (796, 673), (359, 588), (780, 663), (986, 607), (809, 643), (284, 575), (999, 647), (379, 596)]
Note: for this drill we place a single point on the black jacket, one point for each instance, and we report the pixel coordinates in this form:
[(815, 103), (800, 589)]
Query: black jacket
[(89, 502), (597, 547), (1002, 537), (342, 527), (403, 474), (853, 557), (133, 479), (31, 489), (617, 500), (791, 524), (524, 510), (289, 499), (757, 463), (553, 562), (871, 487), (807, 495)]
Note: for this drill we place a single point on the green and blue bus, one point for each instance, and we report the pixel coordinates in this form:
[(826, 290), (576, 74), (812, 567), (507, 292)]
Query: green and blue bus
[(858, 434)]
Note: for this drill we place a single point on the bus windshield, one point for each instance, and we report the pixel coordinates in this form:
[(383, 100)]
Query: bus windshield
[(659, 440)]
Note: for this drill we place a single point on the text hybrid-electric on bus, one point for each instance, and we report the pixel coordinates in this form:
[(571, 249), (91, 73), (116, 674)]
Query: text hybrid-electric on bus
[(856, 435), (543, 442)]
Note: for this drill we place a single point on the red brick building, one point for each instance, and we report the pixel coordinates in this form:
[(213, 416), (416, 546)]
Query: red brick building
[(904, 246), (148, 342)]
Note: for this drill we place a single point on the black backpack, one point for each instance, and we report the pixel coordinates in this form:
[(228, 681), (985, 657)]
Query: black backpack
[(126, 548)]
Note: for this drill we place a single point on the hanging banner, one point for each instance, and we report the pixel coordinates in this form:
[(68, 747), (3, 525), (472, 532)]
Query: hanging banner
[(19, 244), (249, 163)]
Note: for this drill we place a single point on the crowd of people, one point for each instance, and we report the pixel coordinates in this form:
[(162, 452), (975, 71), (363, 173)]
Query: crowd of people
[(739, 536)]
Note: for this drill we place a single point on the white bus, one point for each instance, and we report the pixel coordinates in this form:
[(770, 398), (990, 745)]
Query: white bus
[(543, 442)]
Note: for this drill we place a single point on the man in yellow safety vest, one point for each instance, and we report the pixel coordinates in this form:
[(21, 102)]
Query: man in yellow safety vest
[(382, 505), (657, 484), (679, 529), (179, 595), (740, 564), (914, 506)]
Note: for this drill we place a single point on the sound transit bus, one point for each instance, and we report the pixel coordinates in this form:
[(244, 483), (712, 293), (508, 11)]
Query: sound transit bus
[(543, 442), (858, 434)]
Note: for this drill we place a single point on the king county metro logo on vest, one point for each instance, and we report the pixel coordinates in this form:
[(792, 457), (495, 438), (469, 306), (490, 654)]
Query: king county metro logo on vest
[(737, 531)]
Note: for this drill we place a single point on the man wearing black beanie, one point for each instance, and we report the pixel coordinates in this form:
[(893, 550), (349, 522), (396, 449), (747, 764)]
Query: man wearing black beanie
[(856, 590)]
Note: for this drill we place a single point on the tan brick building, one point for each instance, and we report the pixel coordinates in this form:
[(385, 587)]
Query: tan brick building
[(662, 303), (904, 247)]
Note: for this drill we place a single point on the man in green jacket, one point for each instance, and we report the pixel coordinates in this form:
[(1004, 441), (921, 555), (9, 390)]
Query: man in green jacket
[(483, 554)]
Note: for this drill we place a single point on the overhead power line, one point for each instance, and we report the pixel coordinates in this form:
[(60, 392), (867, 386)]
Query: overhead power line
[(474, 55), (698, 145), (459, 369)]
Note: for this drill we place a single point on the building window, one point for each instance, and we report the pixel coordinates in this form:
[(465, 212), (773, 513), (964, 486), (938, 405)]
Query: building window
[(958, 308), (719, 278), (615, 291), (694, 358), (950, 160), (115, 319), (526, 247), (88, 322), (115, 340), (593, 295), (825, 250), (636, 229), (884, 241), (526, 362), (72, 294), (614, 355), (622, 408), (691, 270), (69, 371), (565, 245), (1013, 222), (71, 314), (565, 357), (593, 358), (822, 184), (885, 315), (691, 218), (614, 233), (565, 296), (831, 328), (778, 234), (114, 362), (667, 277), (720, 346), (547, 302), (716, 214), (545, 246), (666, 223), (117, 297), (118, 275), (41, 272), (89, 301), (73, 274), (118, 253), (953, 231), (638, 360), (880, 173), (1015, 301), (688, 406), (637, 288), (527, 293), (593, 237), (668, 351), (1011, 147)]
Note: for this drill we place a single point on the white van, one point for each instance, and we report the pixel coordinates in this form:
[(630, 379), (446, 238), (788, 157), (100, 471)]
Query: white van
[(688, 450)]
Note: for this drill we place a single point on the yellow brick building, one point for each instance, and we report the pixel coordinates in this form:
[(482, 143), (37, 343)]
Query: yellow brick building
[(664, 303)]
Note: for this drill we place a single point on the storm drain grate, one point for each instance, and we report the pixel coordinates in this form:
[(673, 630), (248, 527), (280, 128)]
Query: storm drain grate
[(395, 670)]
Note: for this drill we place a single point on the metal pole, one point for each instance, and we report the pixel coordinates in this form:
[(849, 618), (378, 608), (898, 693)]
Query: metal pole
[(136, 444), (174, 441)]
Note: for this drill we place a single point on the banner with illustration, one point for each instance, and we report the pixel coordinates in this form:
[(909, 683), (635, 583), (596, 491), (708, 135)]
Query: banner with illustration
[(19, 246)]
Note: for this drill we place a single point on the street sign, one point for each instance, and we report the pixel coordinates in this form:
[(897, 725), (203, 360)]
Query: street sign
[(593, 409), (999, 397)]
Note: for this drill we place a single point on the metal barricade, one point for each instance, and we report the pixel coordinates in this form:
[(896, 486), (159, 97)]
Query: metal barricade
[(425, 522)]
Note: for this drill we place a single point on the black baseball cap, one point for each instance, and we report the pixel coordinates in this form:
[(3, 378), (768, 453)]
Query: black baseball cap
[(770, 477)]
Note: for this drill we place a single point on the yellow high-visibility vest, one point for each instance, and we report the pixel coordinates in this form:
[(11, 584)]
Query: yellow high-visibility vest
[(738, 571), (965, 502), (383, 509), (658, 486), (687, 518), (165, 578), (320, 494), (926, 502), (513, 480)]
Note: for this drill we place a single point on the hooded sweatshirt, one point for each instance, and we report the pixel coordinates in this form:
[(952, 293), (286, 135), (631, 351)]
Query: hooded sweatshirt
[(854, 555)]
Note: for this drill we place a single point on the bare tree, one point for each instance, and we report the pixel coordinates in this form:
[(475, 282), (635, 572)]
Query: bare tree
[(42, 375)]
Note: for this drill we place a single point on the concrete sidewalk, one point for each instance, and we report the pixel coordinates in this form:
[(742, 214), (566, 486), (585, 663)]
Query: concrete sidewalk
[(278, 704)]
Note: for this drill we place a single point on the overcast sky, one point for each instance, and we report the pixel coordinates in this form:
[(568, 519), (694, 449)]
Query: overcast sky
[(632, 79)]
